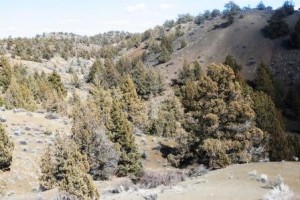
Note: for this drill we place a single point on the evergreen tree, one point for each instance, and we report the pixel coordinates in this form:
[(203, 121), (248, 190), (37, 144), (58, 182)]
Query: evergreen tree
[(67, 169), (111, 75), (166, 122), (189, 72), (132, 104), (5, 73), (47, 179), (55, 81), (264, 81), (217, 113), (271, 121), (19, 96), (139, 76), (121, 134), (89, 134), (231, 62), (94, 70), (6, 149)]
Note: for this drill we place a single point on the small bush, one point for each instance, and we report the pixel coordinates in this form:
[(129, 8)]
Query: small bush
[(263, 178), (281, 192), (153, 179), (183, 44), (198, 171)]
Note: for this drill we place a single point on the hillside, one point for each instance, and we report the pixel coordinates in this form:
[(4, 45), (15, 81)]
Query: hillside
[(243, 39), (206, 106)]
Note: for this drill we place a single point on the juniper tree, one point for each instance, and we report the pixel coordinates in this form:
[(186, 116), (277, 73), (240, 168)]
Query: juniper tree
[(166, 121), (67, 169), (133, 106), (94, 71), (5, 73), (216, 113), (269, 119), (121, 134), (264, 81), (6, 149), (88, 132), (55, 80)]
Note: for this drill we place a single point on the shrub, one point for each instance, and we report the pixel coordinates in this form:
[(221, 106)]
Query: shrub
[(281, 192), (183, 44), (263, 178), (6, 149), (276, 28), (231, 8), (199, 19), (153, 179), (184, 18), (261, 6), (207, 14), (164, 55), (215, 13), (169, 23), (198, 171), (232, 63)]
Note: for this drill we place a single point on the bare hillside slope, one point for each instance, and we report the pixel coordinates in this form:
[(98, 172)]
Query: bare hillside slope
[(243, 39)]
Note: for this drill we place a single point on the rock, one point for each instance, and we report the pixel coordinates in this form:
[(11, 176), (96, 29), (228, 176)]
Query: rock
[(23, 142), (17, 133), (152, 196), (29, 114), (118, 189), (41, 111), (2, 108), (51, 116), (3, 119), (19, 110)]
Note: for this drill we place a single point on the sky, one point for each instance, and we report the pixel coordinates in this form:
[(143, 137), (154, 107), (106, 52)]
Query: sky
[(27, 18)]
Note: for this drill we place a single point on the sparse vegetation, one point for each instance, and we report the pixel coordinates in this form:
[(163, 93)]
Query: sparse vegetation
[(125, 113)]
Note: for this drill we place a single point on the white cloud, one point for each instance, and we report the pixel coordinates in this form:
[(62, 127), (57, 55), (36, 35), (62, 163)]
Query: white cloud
[(166, 6), (136, 7)]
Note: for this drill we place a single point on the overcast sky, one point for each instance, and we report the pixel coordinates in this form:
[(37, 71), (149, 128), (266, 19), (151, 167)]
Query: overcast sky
[(89, 17)]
